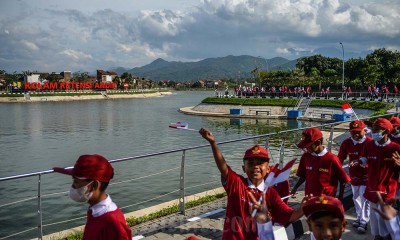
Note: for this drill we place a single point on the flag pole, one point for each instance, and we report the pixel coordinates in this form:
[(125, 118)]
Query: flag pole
[(354, 112)]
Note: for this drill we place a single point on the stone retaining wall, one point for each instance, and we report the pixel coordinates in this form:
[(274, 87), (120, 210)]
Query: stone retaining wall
[(80, 97)]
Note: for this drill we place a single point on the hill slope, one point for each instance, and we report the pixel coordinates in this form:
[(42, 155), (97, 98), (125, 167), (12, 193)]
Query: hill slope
[(209, 68)]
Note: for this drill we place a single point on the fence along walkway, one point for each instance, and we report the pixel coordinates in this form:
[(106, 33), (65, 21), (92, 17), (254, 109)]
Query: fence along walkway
[(181, 188)]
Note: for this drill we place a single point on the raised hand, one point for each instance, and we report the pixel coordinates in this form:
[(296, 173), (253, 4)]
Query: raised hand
[(262, 209), (396, 158), (207, 135)]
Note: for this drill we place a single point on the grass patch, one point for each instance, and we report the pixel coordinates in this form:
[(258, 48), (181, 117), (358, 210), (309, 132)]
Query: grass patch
[(284, 102), (132, 221), (372, 105), (11, 95)]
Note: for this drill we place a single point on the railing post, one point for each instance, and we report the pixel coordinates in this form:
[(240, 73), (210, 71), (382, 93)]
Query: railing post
[(40, 214), (330, 141), (281, 153), (269, 151), (182, 185)]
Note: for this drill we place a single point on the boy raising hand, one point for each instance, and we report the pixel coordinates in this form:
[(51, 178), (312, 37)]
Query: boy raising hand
[(241, 191)]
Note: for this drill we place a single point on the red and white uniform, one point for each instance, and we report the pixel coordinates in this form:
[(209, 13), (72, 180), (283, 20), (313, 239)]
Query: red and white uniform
[(358, 175), (394, 227), (382, 177), (322, 172), (395, 138), (106, 221), (238, 222)]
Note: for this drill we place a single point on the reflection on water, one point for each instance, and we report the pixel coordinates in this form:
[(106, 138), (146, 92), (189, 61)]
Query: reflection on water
[(38, 136), (236, 121)]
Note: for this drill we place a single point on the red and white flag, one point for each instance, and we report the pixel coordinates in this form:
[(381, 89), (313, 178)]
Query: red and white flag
[(181, 125), (279, 175), (347, 108)]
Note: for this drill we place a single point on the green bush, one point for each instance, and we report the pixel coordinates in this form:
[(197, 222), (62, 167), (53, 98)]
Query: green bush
[(372, 105), (284, 102), (11, 95), (132, 221)]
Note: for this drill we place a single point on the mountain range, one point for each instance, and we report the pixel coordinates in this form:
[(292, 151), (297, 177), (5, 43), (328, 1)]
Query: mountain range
[(210, 68), (229, 67)]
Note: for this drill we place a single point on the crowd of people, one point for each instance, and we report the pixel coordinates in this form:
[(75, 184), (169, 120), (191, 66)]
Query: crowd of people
[(282, 91), (373, 92), (374, 166)]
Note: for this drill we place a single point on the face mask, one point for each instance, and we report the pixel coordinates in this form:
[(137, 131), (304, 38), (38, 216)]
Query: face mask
[(79, 194), (396, 132), (377, 136)]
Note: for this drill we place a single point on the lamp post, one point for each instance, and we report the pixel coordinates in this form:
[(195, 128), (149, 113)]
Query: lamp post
[(342, 65)]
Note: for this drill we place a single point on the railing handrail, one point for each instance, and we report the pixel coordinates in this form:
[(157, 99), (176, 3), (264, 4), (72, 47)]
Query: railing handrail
[(195, 147)]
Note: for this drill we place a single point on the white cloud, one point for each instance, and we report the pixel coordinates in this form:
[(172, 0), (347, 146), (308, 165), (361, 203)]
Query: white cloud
[(76, 55), (100, 37), (30, 45)]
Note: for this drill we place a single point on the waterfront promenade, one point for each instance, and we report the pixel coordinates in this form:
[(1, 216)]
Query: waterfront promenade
[(206, 222)]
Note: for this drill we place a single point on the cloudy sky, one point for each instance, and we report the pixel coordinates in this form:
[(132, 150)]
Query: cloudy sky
[(76, 35)]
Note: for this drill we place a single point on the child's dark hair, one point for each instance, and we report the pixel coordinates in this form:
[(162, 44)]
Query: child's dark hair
[(103, 186), (321, 214)]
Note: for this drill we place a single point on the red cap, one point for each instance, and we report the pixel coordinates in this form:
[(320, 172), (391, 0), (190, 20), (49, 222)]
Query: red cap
[(256, 152), (93, 167), (323, 203), (383, 123), (309, 136), (357, 125), (192, 238), (395, 121)]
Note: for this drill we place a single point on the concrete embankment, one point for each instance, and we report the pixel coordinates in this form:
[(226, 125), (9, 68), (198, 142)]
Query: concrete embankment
[(267, 112), (80, 97)]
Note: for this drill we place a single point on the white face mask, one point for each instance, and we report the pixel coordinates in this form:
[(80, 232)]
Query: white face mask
[(79, 194)]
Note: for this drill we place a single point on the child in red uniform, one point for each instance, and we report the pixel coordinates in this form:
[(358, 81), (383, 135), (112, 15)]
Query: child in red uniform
[(382, 172), (352, 147), (325, 217), (238, 221), (91, 175), (395, 135), (320, 169)]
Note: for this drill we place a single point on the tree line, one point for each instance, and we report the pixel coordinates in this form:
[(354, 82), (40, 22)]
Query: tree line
[(381, 67)]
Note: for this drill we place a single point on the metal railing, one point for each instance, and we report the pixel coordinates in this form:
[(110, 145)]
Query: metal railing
[(181, 189)]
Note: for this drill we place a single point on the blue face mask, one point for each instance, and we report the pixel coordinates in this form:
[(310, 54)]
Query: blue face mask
[(377, 136)]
